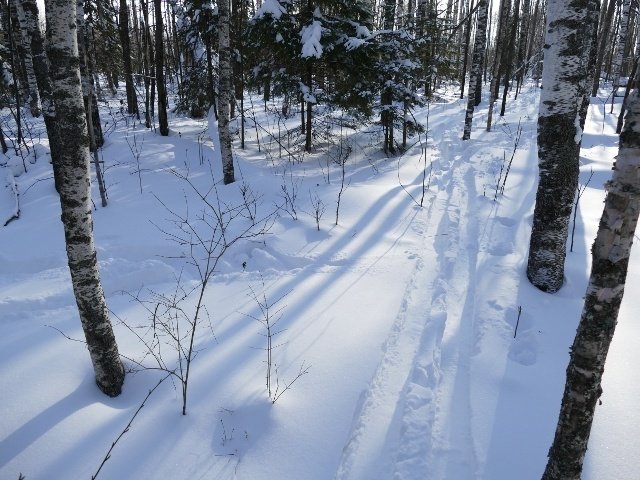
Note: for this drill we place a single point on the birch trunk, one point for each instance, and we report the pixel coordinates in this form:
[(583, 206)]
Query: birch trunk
[(610, 254), (41, 69), (75, 197), (475, 77), (32, 83), (559, 136), (498, 61), (603, 42), (224, 91), (88, 91), (622, 40)]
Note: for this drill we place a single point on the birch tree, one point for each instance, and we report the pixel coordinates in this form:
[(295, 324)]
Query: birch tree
[(32, 84), (224, 91), (620, 45), (610, 255), (479, 46), (603, 41), (41, 69), (559, 137), (72, 172)]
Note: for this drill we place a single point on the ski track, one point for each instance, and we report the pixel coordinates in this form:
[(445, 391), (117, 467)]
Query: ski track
[(417, 405)]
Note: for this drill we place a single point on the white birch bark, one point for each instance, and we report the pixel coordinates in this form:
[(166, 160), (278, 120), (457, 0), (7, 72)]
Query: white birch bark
[(610, 253), (75, 196), (32, 84), (479, 46), (559, 137), (620, 44), (224, 91)]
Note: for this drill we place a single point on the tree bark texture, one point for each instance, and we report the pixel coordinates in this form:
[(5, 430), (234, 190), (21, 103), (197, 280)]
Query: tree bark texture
[(163, 122), (224, 91), (610, 254), (499, 58), (620, 45), (75, 195), (603, 39), (559, 137), (32, 83), (475, 77), (123, 18), (41, 69), (96, 137)]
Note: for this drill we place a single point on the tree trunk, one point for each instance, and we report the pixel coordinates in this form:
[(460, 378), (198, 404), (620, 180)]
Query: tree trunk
[(146, 38), (589, 57), (32, 83), (224, 91), (475, 77), (386, 97), (467, 42), (75, 196), (41, 69), (603, 42), (510, 50), (498, 60), (161, 88), (522, 45), (132, 100), (16, 83), (86, 74), (308, 126), (558, 141), (610, 255), (619, 55)]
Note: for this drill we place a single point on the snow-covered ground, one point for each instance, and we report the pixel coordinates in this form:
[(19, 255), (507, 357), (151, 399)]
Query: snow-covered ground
[(405, 316)]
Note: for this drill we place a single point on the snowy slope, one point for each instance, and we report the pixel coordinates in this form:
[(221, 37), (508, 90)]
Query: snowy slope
[(404, 315)]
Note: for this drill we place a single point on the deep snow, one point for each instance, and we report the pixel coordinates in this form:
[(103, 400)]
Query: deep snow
[(404, 314)]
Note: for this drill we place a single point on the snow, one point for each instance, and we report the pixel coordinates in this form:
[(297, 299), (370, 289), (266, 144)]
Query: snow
[(311, 35), (270, 7), (430, 355)]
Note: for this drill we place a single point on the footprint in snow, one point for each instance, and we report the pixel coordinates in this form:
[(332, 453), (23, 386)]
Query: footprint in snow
[(506, 221), (500, 249), (524, 349)]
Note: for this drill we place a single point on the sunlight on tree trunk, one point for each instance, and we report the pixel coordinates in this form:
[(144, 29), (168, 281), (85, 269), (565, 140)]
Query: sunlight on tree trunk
[(75, 194), (610, 254)]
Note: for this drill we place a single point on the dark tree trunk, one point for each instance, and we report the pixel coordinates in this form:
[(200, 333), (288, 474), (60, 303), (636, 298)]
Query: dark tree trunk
[(603, 43), (509, 51), (161, 88), (225, 91), (307, 130), (132, 100), (148, 87), (475, 78)]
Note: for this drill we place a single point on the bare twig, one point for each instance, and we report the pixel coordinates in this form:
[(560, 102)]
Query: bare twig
[(126, 429)]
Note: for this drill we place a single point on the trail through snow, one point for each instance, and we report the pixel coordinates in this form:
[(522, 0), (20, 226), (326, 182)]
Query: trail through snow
[(431, 356)]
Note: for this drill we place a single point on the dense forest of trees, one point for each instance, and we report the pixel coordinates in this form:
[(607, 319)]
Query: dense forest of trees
[(370, 60)]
